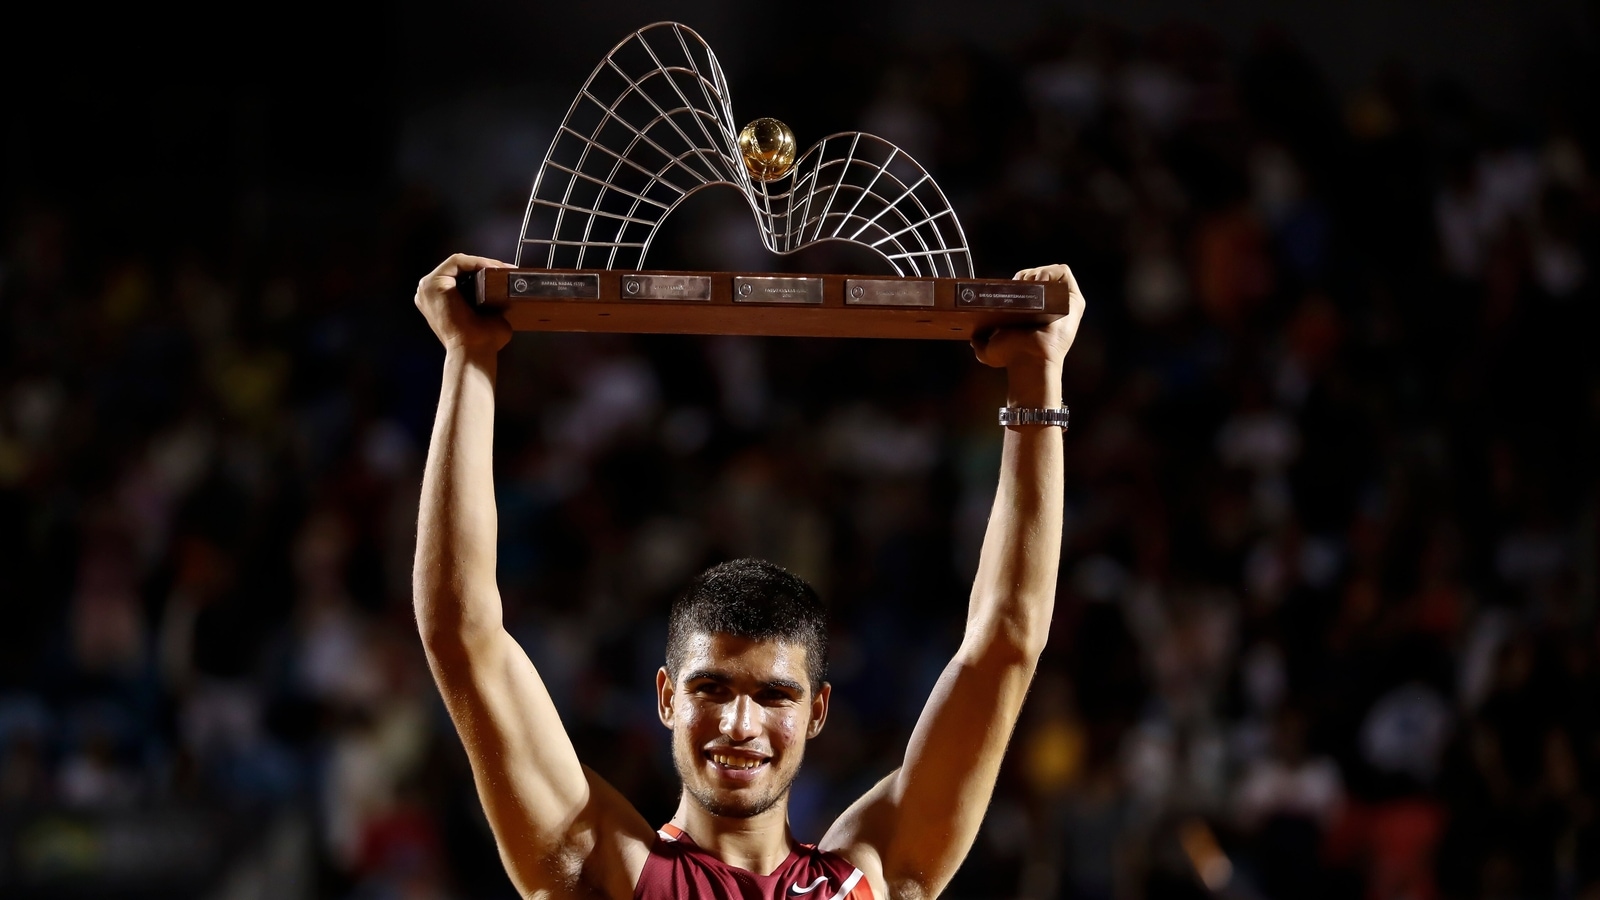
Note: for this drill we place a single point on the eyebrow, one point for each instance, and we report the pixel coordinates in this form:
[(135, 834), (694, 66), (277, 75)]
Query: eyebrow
[(724, 678)]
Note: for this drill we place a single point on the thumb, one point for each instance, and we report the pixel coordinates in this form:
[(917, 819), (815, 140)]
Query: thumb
[(982, 347)]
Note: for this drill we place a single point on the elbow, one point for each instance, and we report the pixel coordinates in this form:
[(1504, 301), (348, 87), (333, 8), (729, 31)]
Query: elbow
[(1007, 645), (454, 649), (1015, 632), (446, 628), (432, 609), (439, 639)]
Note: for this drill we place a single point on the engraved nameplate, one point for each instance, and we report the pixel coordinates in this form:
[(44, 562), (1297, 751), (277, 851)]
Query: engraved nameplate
[(1015, 295), (778, 290), (666, 287), (553, 285), (887, 292)]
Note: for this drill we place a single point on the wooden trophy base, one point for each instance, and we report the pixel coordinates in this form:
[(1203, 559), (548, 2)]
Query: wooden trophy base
[(601, 300)]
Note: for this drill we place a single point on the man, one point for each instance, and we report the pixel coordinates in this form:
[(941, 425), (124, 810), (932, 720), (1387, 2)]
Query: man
[(742, 689)]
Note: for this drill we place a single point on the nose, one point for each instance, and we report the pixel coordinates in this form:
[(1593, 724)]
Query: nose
[(741, 719)]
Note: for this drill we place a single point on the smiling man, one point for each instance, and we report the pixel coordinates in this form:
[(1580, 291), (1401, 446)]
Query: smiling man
[(743, 688)]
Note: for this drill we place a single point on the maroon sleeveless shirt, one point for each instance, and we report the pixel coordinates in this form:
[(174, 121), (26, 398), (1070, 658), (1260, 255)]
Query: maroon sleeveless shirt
[(679, 870)]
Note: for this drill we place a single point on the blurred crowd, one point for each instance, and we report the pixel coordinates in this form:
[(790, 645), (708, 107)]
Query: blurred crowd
[(1327, 615)]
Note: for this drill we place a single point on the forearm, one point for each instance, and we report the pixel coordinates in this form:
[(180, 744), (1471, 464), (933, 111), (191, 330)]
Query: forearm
[(453, 579), (922, 821), (933, 807), (1014, 592)]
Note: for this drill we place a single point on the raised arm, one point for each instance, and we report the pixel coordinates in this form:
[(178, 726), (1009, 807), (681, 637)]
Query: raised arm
[(555, 822), (917, 825)]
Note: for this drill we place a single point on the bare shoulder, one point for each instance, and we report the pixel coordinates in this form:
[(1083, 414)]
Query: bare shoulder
[(609, 849), (858, 835), (599, 856)]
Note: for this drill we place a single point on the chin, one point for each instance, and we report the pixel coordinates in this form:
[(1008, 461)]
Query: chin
[(731, 805)]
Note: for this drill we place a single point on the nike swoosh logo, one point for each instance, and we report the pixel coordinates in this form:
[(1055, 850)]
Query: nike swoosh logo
[(797, 890)]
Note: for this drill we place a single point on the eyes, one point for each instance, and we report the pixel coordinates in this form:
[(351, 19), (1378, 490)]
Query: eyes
[(717, 692)]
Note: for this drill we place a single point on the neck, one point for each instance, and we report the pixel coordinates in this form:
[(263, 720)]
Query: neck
[(756, 844)]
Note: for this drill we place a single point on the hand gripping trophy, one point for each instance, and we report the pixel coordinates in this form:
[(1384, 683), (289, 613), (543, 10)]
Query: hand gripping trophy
[(654, 125)]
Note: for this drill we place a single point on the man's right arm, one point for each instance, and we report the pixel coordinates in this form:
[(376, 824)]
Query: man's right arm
[(555, 822)]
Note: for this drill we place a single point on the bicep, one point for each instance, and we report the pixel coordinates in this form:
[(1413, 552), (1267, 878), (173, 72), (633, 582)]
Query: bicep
[(547, 812), (919, 822)]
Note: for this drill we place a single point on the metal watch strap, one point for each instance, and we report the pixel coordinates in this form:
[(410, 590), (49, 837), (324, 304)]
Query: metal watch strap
[(1017, 415)]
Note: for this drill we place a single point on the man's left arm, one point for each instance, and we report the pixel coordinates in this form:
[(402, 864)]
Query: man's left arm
[(917, 825)]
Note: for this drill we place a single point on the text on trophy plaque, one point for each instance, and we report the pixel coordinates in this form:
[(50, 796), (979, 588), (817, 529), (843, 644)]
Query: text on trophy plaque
[(554, 285), (1014, 295), (888, 292), (666, 287), (804, 291)]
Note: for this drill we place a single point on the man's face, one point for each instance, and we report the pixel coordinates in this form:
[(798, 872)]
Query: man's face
[(741, 712)]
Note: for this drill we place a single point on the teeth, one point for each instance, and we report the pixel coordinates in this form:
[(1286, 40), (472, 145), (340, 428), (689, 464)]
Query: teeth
[(734, 762)]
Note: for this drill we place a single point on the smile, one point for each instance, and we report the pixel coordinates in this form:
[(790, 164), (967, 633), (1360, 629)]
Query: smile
[(739, 763)]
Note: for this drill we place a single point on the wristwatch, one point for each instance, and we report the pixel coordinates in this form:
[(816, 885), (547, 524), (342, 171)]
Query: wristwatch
[(1018, 415)]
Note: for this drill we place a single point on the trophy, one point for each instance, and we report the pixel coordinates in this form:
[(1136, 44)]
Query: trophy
[(652, 126)]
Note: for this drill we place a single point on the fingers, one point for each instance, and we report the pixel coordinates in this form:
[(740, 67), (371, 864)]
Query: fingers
[(1001, 347), (1057, 272), (443, 278), (982, 347), (1076, 302), (461, 262), (1006, 345), (453, 320)]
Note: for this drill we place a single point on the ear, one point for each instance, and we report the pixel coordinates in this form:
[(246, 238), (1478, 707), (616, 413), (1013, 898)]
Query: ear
[(664, 691), (819, 710)]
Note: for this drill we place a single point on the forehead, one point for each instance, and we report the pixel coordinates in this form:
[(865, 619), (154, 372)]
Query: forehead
[(744, 657)]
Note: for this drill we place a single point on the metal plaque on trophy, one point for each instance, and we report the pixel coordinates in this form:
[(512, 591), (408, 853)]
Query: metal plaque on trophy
[(654, 125)]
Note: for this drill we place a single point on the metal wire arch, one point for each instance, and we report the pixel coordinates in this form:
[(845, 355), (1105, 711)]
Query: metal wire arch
[(917, 224)]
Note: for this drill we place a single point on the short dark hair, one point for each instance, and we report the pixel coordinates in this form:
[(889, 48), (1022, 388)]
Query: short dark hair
[(753, 599)]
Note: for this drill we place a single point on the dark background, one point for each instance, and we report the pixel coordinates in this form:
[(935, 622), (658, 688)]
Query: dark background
[(1326, 625)]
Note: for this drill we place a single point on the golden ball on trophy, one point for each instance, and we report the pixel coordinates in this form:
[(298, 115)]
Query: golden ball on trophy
[(768, 149)]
